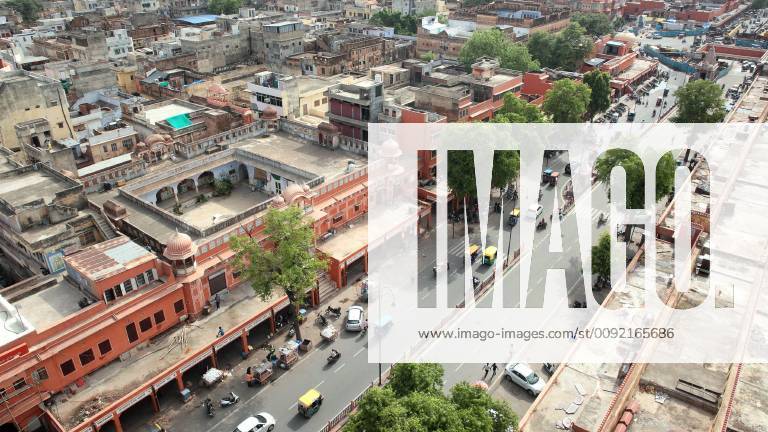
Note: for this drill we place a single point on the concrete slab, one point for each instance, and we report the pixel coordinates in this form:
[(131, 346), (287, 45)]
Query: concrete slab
[(50, 305), (217, 209), (15, 190), (346, 242), (671, 416), (750, 405)]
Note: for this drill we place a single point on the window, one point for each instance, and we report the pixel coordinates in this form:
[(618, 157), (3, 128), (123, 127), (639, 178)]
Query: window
[(145, 324), (67, 367), (357, 207), (133, 335), (60, 125), (42, 374), (325, 100), (114, 147), (118, 291), (159, 317), (140, 279), (127, 143), (178, 307), (105, 346), (338, 218), (317, 103), (2, 394), (150, 275), (19, 384), (109, 294), (104, 148), (86, 357), (128, 285)]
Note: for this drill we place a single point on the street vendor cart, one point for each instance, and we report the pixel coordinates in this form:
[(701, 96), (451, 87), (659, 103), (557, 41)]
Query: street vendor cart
[(260, 374), (286, 357), (329, 333), (212, 377)]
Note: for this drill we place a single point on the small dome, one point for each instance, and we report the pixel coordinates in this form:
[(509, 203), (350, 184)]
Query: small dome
[(217, 89), (154, 139), (305, 188), (269, 113), (279, 201), (180, 246), (328, 128), (292, 192)]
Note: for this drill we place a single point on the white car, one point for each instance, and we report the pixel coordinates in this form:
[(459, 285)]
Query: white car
[(522, 375), (262, 422), (535, 210), (355, 318)]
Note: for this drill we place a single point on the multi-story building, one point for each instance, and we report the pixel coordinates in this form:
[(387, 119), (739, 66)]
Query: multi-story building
[(518, 18), (359, 52), (443, 40), (361, 10), (290, 96), (119, 44), (419, 7), (215, 49), (460, 97), (278, 41), (87, 44), (112, 141), (616, 57), (183, 8), (354, 105), (27, 96), (143, 36)]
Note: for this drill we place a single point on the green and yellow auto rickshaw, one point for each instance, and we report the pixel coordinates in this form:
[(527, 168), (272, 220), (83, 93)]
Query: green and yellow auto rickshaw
[(310, 402), (489, 255)]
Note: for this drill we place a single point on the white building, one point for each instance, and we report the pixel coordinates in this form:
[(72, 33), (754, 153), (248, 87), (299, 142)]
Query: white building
[(119, 44), (419, 7)]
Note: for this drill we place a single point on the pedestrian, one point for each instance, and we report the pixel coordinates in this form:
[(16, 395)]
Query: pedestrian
[(220, 333), (217, 300), (494, 368), (487, 369)]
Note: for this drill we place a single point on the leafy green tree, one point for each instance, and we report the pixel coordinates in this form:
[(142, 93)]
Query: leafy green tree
[(600, 85), (493, 43), (601, 257), (461, 171), (541, 46), (516, 110), (596, 24), (224, 7), (428, 56), (407, 378), (381, 411), (403, 24), (567, 101), (635, 174), (434, 411), (468, 397), (289, 266), (564, 50), (28, 9), (700, 101)]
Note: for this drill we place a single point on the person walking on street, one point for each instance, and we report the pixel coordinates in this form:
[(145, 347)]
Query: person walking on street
[(220, 332), (487, 369), (217, 300), (494, 368)]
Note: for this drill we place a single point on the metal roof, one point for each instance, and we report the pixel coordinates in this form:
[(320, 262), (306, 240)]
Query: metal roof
[(198, 19)]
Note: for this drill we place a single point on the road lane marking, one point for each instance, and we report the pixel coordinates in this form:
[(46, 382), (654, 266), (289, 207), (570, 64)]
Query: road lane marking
[(458, 367), (340, 367), (358, 352), (231, 413)]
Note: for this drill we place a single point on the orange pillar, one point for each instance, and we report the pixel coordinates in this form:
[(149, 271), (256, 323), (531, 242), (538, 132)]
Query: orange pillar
[(155, 401), (272, 320), (244, 341), (213, 357), (179, 381), (118, 426)]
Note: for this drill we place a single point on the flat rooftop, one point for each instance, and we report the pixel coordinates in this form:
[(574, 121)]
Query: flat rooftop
[(638, 66), (752, 105), (749, 411), (347, 241), (154, 115), (109, 258), (16, 189), (49, 306), (303, 155)]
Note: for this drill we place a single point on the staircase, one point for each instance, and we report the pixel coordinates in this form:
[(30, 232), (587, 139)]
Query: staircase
[(106, 228), (327, 287)]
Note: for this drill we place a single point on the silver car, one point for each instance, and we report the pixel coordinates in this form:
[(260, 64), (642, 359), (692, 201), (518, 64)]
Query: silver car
[(355, 318)]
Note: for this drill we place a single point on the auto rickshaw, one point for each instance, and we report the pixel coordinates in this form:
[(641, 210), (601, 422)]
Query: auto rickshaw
[(514, 217), (489, 255), (553, 178), (474, 251), (310, 402)]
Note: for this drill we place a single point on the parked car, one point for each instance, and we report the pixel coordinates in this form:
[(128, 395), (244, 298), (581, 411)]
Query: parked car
[(355, 318), (535, 211), (262, 422), (522, 375)]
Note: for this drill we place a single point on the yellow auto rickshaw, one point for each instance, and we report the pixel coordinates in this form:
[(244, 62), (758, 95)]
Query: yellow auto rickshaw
[(489, 255), (514, 216), (474, 251), (310, 402)]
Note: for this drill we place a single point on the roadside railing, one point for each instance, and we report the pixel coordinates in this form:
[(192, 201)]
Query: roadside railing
[(341, 418)]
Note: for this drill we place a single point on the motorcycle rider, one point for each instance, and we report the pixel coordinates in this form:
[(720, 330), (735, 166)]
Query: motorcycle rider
[(334, 353)]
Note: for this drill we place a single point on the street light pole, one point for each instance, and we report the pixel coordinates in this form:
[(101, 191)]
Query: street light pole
[(379, 374)]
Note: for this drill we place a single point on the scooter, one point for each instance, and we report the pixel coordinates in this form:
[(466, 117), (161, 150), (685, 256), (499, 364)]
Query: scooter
[(228, 400), (209, 407), (333, 311), (321, 320), (475, 281), (541, 225), (335, 355), (601, 219)]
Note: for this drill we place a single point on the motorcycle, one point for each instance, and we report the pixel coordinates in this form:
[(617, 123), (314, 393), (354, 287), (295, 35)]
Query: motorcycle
[(601, 219), (229, 399), (333, 311), (335, 355), (321, 320), (475, 281), (209, 407), (541, 225)]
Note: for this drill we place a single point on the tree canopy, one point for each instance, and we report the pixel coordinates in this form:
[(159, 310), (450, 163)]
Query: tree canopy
[(28, 9), (516, 110), (595, 24), (467, 409), (600, 96), (224, 7), (493, 43), (403, 24), (567, 101), (700, 101), (601, 257), (563, 50), (635, 174), (289, 266), (461, 171)]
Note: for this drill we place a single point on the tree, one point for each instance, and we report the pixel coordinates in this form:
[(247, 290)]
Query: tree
[(601, 257), (407, 378), (381, 411), (493, 43), (541, 47), (564, 50), (600, 96), (403, 24), (428, 56), (461, 171), (224, 7), (596, 24), (700, 101), (635, 174), (567, 101), (28, 9), (467, 397), (289, 266), (516, 110)]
